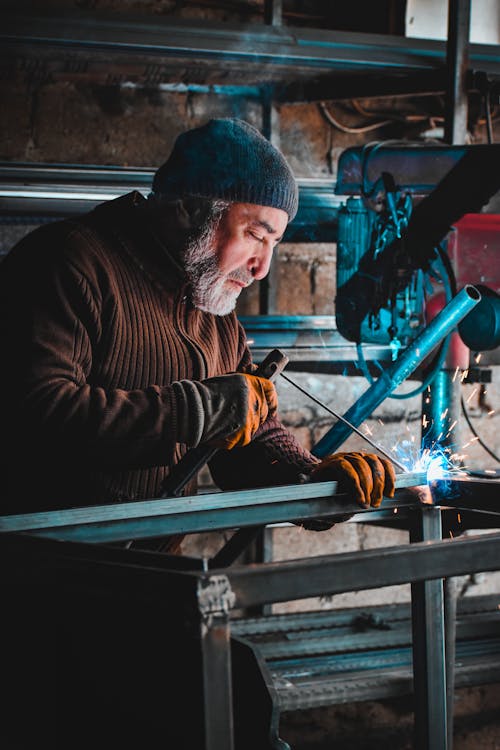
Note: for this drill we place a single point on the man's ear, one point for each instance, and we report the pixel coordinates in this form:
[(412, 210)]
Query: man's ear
[(182, 214)]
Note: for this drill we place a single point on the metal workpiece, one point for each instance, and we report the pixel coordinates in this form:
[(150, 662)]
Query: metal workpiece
[(355, 571), (186, 515), (480, 494), (437, 330)]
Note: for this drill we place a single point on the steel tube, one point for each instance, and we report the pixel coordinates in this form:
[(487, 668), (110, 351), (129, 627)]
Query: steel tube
[(436, 331)]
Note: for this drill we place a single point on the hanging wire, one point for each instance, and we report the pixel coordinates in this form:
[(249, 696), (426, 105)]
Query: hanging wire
[(471, 427), (345, 128)]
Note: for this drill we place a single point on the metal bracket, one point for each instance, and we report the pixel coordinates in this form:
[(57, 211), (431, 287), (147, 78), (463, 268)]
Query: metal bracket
[(215, 597)]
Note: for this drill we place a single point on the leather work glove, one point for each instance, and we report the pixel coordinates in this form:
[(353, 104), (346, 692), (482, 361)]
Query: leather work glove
[(224, 411), (365, 476)]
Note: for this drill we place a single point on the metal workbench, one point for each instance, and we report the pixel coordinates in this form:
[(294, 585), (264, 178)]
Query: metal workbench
[(75, 554)]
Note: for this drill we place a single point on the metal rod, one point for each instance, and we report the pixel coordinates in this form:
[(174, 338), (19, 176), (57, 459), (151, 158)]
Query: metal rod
[(457, 64), (343, 419), (407, 362)]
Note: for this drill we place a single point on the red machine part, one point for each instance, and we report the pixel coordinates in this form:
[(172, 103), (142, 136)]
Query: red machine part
[(473, 246), (474, 250)]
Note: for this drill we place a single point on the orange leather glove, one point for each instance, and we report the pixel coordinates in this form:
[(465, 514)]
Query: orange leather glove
[(261, 401), (225, 411), (365, 476)]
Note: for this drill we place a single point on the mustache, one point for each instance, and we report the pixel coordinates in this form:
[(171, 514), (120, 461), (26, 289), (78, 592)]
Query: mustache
[(242, 276)]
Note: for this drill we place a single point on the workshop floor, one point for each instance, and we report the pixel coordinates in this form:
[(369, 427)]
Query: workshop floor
[(388, 725)]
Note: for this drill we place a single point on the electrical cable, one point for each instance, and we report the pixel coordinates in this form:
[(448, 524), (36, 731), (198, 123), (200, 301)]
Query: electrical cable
[(346, 129), (480, 441)]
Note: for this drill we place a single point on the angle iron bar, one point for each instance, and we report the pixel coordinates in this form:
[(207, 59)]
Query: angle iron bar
[(212, 511), (356, 571)]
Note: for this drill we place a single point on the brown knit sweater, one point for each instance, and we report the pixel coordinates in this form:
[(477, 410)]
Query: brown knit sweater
[(96, 324)]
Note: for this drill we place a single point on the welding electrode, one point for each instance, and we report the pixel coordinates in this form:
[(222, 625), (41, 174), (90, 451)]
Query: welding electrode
[(342, 419)]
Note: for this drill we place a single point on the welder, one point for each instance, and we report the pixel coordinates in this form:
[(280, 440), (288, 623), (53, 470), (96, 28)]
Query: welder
[(121, 348)]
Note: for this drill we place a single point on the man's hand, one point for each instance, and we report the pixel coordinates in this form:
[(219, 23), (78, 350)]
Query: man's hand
[(253, 401), (224, 411), (365, 476)]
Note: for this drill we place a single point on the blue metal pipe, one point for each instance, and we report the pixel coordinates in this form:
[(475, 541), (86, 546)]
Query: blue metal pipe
[(436, 331)]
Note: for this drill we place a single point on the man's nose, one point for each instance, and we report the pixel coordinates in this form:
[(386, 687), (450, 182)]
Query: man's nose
[(260, 262)]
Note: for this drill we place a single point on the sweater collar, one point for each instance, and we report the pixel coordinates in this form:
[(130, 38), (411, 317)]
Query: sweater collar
[(143, 239)]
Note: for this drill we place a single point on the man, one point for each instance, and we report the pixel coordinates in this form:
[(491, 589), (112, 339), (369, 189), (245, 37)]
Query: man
[(121, 348)]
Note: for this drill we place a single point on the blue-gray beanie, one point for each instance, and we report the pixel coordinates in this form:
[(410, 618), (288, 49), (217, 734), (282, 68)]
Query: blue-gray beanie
[(230, 160)]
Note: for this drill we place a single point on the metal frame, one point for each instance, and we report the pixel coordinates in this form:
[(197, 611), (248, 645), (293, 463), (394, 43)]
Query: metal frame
[(213, 594)]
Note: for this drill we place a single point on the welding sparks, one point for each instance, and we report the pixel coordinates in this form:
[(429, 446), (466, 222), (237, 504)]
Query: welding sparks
[(443, 415), (464, 375), (452, 426), (457, 369), (471, 395), (472, 440), (477, 358)]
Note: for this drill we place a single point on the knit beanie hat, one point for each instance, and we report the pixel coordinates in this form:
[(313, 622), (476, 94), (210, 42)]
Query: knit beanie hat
[(230, 160)]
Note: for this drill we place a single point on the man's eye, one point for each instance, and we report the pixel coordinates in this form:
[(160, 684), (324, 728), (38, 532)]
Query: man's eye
[(256, 237)]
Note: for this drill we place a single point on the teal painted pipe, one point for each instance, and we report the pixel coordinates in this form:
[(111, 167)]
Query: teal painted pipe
[(436, 331)]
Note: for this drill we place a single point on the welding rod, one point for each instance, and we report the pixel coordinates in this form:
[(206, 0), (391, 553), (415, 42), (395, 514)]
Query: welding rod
[(343, 419)]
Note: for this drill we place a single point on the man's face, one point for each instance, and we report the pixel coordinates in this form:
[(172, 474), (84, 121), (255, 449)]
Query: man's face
[(234, 255)]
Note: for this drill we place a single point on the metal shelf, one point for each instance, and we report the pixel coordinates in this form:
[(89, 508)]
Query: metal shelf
[(153, 50)]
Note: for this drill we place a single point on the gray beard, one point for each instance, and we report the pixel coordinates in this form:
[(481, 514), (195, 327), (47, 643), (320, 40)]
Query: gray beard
[(209, 291)]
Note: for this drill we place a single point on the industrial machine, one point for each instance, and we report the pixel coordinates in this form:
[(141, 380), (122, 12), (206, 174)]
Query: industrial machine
[(409, 234)]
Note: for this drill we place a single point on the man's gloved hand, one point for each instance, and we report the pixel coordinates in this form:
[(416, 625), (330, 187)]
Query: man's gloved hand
[(224, 411), (365, 476)]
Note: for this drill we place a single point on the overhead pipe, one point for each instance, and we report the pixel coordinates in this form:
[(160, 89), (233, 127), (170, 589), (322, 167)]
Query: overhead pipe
[(402, 368)]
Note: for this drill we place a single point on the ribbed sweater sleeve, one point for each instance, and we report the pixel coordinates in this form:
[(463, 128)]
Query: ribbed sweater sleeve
[(52, 367), (273, 457)]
